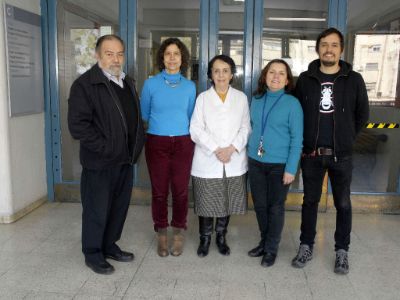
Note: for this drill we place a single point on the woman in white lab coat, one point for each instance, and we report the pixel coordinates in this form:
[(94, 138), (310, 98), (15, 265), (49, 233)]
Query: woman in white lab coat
[(220, 127)]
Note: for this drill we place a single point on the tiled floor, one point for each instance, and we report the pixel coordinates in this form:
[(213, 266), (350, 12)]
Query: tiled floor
[(40, 258)]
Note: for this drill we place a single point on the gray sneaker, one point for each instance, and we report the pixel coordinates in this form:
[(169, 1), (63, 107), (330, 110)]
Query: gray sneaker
[(303, 256), (341, 262)]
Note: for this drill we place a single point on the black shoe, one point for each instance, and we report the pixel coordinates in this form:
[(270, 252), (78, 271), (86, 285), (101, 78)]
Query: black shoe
[(223, 247), (268, 259), (121, 256), (202, 250), (256, 252), (100, 267)]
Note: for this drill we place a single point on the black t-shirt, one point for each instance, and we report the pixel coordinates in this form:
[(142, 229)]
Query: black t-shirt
[(326, 110), (127, 101)]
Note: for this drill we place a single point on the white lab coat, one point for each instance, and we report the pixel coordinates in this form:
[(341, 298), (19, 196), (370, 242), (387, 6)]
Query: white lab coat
[(219, 124)]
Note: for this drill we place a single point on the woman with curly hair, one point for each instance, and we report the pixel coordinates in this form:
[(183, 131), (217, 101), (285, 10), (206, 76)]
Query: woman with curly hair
[(167, 103)]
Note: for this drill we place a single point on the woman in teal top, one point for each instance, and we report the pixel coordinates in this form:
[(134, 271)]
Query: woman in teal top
[(274, 150), (167, 103)]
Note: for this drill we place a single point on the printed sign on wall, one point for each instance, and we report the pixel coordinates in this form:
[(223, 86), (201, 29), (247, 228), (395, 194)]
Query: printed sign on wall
[(24, 61)]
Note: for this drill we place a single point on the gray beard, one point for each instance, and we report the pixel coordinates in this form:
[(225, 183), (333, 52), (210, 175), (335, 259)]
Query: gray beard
[(114, 71)]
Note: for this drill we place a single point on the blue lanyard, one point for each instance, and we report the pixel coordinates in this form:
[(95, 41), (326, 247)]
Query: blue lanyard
[(264, 120)]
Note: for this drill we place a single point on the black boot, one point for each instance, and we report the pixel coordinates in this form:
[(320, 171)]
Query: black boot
[(205, 230), (221, 230)]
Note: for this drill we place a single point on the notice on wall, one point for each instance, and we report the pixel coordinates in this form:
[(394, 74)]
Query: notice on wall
[(24, 61)]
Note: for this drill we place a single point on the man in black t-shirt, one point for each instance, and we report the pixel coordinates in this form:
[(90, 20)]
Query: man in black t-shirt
[(335, 105)]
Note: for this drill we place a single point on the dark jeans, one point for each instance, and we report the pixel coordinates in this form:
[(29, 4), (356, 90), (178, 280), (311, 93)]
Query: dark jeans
[(105, 195), (313, 169), (169, 161), (269, 195)]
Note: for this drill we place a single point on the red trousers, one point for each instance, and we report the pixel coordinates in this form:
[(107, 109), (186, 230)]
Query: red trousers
[(169, 161)]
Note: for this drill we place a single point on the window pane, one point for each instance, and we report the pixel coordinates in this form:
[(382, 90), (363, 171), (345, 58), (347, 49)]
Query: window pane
[(376, 57), (290, 31), (373, 39), (302, 53), (230, 36)]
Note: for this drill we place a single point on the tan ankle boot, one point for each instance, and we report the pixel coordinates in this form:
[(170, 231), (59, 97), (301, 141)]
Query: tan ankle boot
[(162, 238), (177, 242)]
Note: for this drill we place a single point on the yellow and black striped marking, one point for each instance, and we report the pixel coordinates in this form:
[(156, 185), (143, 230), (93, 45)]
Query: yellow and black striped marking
[(382, 125)]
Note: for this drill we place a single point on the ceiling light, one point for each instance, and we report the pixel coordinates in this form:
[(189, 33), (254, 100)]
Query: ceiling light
[(297, 19)]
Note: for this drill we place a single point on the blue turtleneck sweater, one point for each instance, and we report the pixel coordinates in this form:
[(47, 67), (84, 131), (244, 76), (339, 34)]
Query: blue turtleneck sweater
[(283, 134), (167, 103)]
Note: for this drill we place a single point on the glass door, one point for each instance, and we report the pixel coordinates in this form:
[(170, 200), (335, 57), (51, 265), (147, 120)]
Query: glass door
[(373, 47)]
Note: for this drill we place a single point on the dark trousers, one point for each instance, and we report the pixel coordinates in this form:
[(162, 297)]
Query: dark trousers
[(169, 161), (269, 195), (105, 197), (313, 169)]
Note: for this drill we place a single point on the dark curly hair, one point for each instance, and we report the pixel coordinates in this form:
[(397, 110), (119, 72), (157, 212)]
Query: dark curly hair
[(224, 58), (182, 48), (262, 87)]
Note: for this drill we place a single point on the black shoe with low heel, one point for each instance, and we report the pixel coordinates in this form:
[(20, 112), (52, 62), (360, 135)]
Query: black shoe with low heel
[(100, 267), (268, 259), (121, 256), (256, 252)]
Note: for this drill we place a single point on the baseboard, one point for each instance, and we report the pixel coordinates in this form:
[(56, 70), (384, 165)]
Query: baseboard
[(22, 212)]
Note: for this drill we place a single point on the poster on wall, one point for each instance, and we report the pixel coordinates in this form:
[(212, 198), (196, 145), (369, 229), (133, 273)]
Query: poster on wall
[(24, 61)]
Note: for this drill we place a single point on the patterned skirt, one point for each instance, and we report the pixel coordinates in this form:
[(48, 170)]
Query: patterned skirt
[(220, 197)]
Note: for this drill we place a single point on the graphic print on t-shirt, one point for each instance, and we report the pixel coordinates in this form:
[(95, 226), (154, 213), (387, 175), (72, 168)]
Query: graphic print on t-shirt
[(326, 104)]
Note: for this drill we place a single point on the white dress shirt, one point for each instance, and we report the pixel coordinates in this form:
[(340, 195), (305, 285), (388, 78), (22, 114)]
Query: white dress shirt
[(114, 78)]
